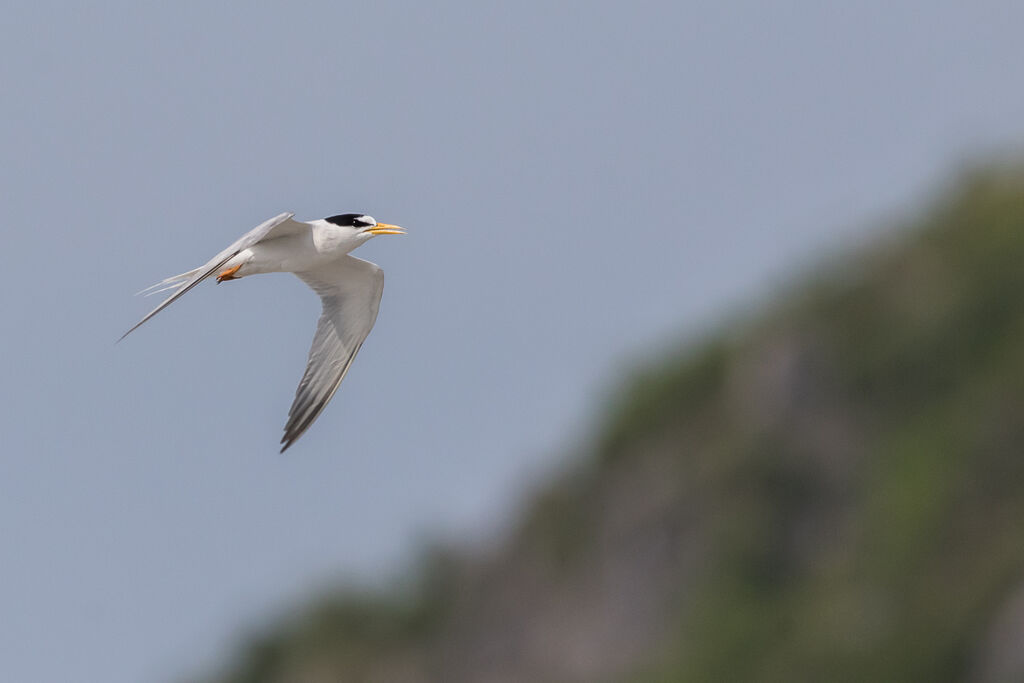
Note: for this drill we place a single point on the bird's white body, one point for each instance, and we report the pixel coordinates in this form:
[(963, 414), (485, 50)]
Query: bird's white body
[(322, 244), (317, 252)]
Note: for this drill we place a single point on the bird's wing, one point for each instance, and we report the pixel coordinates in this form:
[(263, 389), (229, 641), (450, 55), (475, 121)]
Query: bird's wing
[(278, 226), (350, 291)]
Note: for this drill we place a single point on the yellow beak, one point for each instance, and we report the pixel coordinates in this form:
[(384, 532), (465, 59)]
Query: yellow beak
[(386, 229)]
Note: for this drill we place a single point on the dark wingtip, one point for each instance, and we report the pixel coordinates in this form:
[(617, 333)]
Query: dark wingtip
[(287, 440)]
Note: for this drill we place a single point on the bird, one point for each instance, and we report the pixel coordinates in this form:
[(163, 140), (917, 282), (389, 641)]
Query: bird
[(317, 252)]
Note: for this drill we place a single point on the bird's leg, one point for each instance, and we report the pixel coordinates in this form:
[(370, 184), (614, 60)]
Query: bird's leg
[(229, 274)]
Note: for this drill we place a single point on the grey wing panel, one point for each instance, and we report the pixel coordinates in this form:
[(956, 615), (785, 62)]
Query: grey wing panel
[(278, 226), (329, 361), (350, 293)]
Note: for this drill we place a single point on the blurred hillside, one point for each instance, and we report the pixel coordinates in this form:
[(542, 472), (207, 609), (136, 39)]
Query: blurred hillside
[(831, 491)]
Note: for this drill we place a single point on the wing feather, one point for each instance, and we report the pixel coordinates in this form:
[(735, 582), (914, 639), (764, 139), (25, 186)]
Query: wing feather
[(278, 226), (350, 290)]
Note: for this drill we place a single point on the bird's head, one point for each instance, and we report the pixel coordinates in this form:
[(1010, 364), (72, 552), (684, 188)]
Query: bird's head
[(364, 227)]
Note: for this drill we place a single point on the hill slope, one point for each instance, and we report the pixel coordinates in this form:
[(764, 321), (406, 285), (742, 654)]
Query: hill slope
[(834, 491)]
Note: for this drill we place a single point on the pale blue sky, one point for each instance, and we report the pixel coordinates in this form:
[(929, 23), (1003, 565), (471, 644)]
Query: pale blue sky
[(582, 183)]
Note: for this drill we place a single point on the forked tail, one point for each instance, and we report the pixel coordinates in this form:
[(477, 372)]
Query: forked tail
[(172, 282)]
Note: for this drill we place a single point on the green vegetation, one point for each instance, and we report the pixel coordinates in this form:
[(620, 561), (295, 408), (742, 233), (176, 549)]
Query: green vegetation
[(834, 491)]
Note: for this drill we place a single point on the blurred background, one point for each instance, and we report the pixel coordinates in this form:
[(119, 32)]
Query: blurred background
[(701, 361)]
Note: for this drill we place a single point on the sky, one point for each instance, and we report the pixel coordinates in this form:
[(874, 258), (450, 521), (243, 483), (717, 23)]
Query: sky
[(583, 183)]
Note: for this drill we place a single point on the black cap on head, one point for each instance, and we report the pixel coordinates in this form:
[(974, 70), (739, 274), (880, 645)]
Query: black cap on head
[(351, 220)]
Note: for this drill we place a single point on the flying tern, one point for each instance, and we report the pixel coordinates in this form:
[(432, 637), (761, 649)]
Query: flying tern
[(318, 253)]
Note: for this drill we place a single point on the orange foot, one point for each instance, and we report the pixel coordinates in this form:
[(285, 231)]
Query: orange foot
[(229, 274)]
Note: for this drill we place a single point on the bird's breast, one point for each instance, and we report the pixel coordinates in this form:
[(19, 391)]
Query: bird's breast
[(331, 240)]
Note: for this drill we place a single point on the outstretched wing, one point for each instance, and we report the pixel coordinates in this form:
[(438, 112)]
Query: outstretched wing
[(350, 291), (278, 226)]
